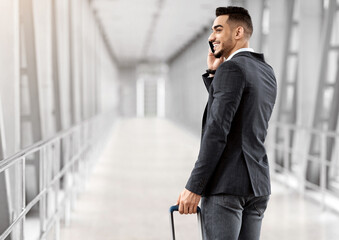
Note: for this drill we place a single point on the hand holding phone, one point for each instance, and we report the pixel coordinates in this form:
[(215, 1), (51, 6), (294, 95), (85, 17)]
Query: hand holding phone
[(213, 62), (211, 46)]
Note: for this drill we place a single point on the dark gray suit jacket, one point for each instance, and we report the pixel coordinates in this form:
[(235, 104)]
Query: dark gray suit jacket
[(232, 158)]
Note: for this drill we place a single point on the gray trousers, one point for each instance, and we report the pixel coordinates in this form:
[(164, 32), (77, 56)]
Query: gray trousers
[(227, 217)]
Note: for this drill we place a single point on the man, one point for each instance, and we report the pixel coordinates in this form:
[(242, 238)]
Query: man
[(232, 173)]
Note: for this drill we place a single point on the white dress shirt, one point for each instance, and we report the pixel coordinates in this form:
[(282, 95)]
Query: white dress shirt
[(240, 50)]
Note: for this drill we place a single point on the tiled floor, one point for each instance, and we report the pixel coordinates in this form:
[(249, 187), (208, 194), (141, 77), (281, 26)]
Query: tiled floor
[(141, 173)]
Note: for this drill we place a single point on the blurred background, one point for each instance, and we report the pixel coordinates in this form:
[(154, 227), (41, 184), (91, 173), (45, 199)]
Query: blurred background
[(101, 104)]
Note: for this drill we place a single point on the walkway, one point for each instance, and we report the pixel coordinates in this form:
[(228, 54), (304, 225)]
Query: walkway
[(141, 173)]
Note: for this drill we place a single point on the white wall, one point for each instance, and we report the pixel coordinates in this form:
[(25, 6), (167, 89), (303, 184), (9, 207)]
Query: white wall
[(127, 102), (186, 95)]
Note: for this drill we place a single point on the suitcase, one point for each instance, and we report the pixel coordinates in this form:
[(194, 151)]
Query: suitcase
[(176, 208)]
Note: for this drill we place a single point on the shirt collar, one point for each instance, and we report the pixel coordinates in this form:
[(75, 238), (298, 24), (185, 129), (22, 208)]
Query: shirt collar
[(238, 51)]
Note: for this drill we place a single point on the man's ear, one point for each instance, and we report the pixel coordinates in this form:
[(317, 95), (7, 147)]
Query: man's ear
[(239, 32)]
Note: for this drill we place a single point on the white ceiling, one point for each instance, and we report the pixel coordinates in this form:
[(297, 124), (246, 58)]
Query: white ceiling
[(153, 30)]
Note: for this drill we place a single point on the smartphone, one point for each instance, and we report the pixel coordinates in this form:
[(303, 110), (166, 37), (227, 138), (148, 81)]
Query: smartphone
[(211, 46)]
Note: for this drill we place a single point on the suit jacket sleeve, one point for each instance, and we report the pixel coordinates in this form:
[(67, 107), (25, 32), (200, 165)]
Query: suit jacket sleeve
[(207, 80), (228, 85)]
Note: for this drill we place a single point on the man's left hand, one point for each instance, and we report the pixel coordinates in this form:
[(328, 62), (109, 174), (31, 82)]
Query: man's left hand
[(188, 202)]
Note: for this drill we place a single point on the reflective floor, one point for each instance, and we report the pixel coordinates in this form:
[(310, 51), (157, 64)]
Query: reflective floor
[(145, 166)]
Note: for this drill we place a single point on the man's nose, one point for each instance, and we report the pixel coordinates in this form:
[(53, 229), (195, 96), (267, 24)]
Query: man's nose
[(211, 38)]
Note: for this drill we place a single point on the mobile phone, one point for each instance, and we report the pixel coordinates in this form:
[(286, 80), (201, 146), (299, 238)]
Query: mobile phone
[(211, 46)]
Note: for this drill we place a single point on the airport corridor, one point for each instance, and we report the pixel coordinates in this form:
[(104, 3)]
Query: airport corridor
[(139, 176), (101, 105)]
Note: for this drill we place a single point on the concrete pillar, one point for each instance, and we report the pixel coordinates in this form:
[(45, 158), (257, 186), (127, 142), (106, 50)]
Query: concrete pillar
[(77, 59), (128, 91), (255, 8), (276, 40), (274, 55), (61, 65), (161, 97), (310, 18), (9, 68), (314, 172), (309, 34), (42, 23)]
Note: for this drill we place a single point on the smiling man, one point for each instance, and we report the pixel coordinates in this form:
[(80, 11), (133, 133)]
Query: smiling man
[(231, 175)]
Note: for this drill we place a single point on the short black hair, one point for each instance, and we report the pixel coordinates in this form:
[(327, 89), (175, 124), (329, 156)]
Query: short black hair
[(237, 15)]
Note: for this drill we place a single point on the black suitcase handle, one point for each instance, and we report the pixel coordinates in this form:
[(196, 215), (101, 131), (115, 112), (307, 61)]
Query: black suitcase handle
[(176, 208)]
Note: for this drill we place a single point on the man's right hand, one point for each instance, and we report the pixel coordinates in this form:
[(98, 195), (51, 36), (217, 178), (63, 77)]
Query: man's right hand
[(212, 62)]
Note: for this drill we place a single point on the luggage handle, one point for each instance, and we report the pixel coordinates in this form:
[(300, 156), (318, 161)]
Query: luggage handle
[(176, 208)]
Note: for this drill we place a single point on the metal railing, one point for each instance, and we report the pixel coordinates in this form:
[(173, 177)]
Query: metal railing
[(61, 165), (296, 157)]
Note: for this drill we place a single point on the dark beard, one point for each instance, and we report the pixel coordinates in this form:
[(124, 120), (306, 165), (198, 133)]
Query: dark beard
[(219, 54)]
